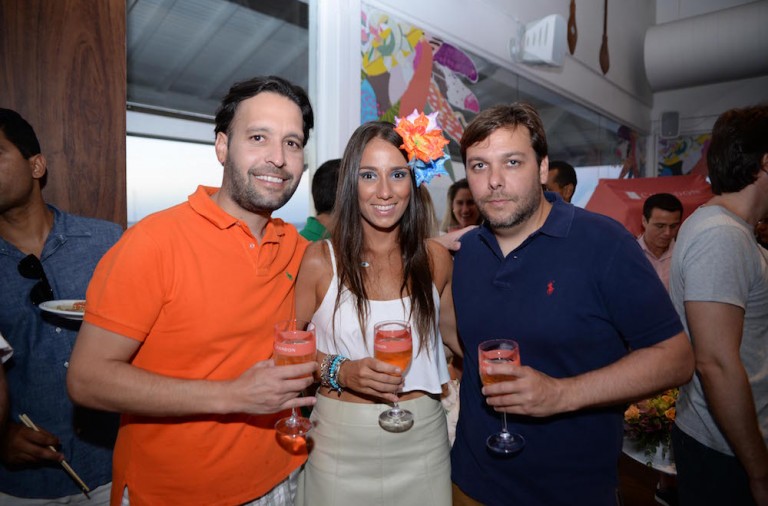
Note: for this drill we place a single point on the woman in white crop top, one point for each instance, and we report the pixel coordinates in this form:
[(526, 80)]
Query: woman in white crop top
[(379, 265)]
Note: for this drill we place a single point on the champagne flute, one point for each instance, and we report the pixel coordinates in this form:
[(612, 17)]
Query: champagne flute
[(294, 344), (500, 351), (392, 344)]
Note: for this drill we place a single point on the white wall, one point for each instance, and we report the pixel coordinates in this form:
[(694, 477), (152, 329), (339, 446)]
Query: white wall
[(699, 106), (484, 27), (672, 10)]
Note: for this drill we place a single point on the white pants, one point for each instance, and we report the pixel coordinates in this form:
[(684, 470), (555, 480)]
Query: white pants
[(282, 495), (99, 497)]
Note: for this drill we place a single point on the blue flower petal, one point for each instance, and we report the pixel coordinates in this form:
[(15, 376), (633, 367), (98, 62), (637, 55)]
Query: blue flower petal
[(426, 171)]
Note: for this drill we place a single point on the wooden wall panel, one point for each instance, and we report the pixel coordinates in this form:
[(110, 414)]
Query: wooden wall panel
[(63, 67)]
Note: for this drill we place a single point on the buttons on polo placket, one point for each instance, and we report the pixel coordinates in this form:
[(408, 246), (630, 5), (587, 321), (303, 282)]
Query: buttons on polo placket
[(252, 246), (59, 330)]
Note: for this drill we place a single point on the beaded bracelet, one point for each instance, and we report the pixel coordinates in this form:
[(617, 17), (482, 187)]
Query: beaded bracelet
[(333, 373), (325, 366)]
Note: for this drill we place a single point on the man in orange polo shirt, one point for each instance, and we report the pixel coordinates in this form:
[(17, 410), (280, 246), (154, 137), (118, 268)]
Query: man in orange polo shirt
[(179, 322)]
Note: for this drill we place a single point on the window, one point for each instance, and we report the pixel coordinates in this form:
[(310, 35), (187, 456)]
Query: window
[(460, 83), (182, 58)]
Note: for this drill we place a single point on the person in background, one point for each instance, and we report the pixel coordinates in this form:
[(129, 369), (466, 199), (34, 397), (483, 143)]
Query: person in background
[(761, 233), (379, 265), (719, 285), (45, 254), (662, 215), (461, 211), (179, 327), (561, 179), (324, 196), (594, 331)]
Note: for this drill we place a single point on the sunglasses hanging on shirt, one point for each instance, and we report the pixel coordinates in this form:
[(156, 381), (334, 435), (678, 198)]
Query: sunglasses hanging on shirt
[(31, 268)]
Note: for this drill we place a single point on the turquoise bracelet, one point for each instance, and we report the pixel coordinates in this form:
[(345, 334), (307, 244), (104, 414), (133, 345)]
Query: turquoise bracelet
[(333, 373)]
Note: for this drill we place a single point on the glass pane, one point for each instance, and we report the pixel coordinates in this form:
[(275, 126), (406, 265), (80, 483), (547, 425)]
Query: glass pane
[(184, 56), (458, 82), (163, 173)]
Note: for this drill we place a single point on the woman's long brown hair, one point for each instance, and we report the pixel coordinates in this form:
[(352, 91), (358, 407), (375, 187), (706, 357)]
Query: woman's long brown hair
[(347, 237)]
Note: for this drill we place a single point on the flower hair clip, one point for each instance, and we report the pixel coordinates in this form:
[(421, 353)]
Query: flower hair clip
[(424, 142)]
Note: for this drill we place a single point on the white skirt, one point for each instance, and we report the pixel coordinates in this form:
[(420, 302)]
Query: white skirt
[(354, 461)]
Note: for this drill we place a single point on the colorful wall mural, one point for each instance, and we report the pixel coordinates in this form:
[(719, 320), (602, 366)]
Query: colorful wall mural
[(630, 150), (683, 155), (406, 68)]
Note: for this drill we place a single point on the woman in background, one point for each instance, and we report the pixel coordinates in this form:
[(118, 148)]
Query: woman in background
[(461, 210), (379, 265)]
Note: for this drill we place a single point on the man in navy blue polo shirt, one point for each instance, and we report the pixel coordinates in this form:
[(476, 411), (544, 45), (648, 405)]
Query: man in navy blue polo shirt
[(595, 326)]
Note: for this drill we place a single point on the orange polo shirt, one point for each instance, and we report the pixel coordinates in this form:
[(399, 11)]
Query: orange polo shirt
[(200, 293)]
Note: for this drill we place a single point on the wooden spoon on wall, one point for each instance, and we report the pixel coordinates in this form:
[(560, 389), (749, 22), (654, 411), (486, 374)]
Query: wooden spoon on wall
[(605, 61), (573, 34)]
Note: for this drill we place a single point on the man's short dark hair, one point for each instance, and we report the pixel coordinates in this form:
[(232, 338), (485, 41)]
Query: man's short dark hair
[(663, 201), (324, 184), (506, 116), (252, 87), (21, 134), (565, 175), (739, 142)]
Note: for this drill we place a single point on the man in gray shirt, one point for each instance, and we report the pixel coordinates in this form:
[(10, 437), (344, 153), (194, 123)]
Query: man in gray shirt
[(719, 286)]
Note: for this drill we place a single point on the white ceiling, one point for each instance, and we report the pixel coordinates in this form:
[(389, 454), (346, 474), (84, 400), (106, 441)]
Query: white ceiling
[(183, 55)]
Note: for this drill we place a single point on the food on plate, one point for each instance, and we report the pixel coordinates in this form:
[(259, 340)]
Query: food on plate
[(77, 306)]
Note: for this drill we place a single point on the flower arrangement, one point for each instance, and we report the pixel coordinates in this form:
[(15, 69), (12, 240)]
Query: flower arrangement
[(649, 422), (424, 142)]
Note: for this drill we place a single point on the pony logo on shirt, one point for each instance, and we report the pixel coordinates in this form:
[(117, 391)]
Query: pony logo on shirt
[(290, 276), (551, 287)]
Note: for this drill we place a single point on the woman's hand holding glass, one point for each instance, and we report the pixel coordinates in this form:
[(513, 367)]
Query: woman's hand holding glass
[(372, 377), (393, 344)]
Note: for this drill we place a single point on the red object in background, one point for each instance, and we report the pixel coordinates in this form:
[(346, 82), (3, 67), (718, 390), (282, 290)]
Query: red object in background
[(622, 199)]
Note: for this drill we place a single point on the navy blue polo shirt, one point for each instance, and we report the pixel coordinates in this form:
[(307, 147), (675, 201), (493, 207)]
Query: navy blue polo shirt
[(577, 295)]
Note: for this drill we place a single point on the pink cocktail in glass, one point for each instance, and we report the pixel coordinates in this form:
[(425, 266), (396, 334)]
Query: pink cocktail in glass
[(393, 344), (497, 352), (294, 344)]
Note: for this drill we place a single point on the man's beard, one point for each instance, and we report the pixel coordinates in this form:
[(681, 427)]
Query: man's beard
[(526, 206), (248, 198)]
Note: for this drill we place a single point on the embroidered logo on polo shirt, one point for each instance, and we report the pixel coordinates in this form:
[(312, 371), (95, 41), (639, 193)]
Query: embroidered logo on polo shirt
[(289, 275), (551, 287)]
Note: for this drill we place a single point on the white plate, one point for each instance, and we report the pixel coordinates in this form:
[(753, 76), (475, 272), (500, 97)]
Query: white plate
[(63, 308), (663, 463)]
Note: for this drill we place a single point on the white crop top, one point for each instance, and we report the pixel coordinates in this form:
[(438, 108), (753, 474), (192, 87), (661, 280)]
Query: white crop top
[(427, 372)]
